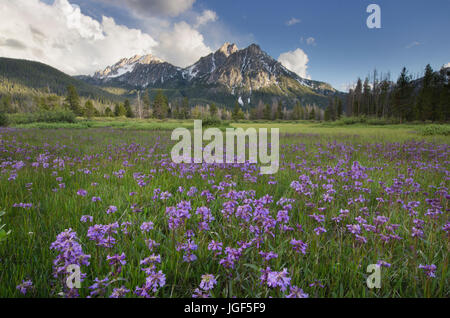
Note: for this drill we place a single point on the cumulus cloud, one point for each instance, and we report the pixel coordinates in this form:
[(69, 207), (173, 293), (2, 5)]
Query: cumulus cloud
[(447, 65), (292, 21), (205, 17), (62, 36), (170, 8), (182, 46), (296, 61)]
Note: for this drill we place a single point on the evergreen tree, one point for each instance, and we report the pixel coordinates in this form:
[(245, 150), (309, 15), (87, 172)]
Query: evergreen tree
[(402, 96), (213, 110), (438, 109), (147, 103), (237, 114), (327, 113), (339, 111), (73, 100), (444, 96), (108, 112), (385, 88), (279, 113), (297, 112), (89, 109), (312, 114), (254, 113), (185, 108), (267, 112), (128, 111), (160, 105), (120, 110), (366, 100), (424, 108), (357, 98)]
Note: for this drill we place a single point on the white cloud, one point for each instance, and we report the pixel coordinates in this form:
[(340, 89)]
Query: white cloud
[(447, 65), (311, 41), (62, 36), (292, 21), (170, 8), (205, 17), (182, 46), (296, 61)]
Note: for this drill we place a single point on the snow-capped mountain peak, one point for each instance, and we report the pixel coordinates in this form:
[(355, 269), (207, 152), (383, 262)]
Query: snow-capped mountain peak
[(126, 65), (228, 71), (227, 49)]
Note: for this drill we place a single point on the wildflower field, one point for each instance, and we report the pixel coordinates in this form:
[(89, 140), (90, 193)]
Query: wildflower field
[(138, 225)]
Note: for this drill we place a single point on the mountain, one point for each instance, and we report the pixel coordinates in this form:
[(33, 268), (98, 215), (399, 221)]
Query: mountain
[(22, 76), (225, 76)]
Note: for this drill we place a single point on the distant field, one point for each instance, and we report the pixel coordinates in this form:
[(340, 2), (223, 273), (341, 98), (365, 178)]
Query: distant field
[(344, 198), (394, 132)]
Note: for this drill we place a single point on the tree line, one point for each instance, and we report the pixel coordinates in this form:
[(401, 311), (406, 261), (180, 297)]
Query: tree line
[(407, 99)]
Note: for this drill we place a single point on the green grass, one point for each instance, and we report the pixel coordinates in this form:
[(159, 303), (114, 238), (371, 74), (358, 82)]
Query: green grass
[(332, 258)]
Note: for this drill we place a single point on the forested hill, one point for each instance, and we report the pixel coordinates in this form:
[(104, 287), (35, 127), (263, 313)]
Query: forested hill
[(39, 76)]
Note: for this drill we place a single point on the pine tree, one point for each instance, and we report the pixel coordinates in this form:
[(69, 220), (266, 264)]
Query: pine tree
[(279, 112), (357, 98), (444, 96), (185, 108), (73, 100), (237, 112), (147, 103), (339, 110), (312, 114), (267, 112), (366, 101), (108, 112), (402, 97), (89, 109), (120, 110), (327, 114), (297, 112), (213, 110), (128, 111), (160, 105), (385, 109), (438, 109), (423, 107)]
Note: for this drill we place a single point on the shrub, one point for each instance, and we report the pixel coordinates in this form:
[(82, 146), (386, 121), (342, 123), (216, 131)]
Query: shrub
[(211, 121), (4, 121), (61, 116), (435, 130), (376, 121)]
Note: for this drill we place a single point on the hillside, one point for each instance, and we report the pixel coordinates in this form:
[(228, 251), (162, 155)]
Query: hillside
[(22, 77)]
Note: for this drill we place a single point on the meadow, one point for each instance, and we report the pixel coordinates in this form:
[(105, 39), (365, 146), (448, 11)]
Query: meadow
[(107, 197)]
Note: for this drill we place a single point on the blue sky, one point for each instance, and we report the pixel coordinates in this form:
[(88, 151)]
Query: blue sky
[(331, 33), (413, 34)]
